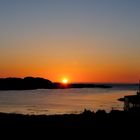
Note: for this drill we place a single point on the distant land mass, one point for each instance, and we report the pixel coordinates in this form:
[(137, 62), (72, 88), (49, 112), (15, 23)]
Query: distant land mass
[(27, 83)]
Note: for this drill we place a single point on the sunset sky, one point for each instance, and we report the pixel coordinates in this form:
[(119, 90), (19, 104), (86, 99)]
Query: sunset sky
[(81, 40)]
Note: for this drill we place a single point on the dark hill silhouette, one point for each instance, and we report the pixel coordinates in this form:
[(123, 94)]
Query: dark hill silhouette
[(24, 83), (27, 83)]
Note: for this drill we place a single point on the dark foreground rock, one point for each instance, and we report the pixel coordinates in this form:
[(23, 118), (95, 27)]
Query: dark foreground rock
[(99, 124)]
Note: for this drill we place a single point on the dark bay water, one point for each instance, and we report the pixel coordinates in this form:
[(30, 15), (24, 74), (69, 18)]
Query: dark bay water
[(61, 101)]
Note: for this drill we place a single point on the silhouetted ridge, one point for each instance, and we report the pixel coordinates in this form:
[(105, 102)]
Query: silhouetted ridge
[(37, 82), (25, 83)]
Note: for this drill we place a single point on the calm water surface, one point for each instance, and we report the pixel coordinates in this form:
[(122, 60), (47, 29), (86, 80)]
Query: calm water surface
[(60, 101)]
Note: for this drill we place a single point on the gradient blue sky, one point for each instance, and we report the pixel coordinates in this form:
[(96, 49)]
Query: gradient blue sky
[(83, 40)]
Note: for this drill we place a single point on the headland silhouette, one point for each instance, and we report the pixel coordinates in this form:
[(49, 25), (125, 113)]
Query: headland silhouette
[(28, 83)]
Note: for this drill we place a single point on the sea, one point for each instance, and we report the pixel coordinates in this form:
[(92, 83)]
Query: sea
[(64, 101)]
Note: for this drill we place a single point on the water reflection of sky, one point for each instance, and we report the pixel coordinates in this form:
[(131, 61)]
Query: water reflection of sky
[(60, 101)]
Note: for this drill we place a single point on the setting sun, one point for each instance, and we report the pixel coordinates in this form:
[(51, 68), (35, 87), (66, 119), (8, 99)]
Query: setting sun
[(64, 81)]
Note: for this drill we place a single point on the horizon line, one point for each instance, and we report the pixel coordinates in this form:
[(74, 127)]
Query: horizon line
[(74, 82)]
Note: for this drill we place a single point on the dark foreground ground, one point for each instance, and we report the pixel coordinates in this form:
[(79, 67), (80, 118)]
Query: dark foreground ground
[(116, 124)]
